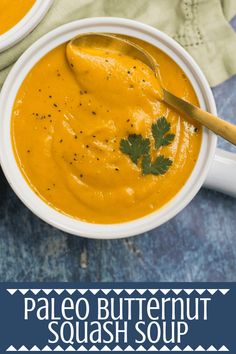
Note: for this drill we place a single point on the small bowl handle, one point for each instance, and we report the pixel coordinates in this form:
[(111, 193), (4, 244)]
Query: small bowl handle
[(222, 175)]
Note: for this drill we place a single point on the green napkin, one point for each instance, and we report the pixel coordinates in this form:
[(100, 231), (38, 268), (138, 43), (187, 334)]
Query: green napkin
[(201, 26)]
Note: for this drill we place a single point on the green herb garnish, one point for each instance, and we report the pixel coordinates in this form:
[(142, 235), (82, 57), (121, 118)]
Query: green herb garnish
[(158, 167), (135, 146), (159, 132)]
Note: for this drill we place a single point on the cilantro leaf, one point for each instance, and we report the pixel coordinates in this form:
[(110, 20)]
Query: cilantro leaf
[(135, 146), (159, 167), (159, 132)]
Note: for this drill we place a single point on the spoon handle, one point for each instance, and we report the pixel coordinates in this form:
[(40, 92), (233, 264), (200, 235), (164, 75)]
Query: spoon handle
[(219, 126)]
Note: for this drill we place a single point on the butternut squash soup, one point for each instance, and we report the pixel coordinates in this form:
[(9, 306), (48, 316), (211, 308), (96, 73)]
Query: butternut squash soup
[(12, 11), (93, 138)]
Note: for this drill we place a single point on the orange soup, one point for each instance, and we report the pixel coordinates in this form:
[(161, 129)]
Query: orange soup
[(12, 11), (93, 138)]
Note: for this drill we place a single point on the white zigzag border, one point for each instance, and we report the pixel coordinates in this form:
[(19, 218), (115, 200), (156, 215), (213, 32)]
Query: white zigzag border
[(118, 349), (118, 291)]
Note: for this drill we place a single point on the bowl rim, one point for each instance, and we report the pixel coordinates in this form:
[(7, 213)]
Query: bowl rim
[(32, 18), (13, 173)]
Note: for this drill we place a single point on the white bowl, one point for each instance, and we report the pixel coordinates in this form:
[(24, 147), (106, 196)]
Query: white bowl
[(26, 25), (17, 76)]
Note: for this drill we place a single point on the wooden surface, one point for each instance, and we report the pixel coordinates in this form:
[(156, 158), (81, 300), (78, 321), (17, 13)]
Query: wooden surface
[(199, 244)]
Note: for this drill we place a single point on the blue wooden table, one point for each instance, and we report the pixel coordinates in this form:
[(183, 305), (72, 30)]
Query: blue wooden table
[(199, 244)]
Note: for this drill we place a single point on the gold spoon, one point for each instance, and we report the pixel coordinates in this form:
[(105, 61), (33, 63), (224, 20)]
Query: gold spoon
[(101, 40)]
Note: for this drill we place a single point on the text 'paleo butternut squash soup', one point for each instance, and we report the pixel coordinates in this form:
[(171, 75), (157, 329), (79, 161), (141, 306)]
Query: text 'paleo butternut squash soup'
[(93, 138), (12, 11)]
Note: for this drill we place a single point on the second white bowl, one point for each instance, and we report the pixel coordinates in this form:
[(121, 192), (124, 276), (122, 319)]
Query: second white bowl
[(26, 25)]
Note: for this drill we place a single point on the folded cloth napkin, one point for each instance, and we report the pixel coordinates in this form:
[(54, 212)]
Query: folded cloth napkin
[(201, 26)]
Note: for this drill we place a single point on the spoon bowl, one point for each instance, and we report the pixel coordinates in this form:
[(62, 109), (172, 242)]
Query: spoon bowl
[(114, 43)]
